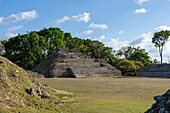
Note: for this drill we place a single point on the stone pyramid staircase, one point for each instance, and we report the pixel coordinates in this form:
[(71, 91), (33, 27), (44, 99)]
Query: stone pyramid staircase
[(72, 63), (155, 70)]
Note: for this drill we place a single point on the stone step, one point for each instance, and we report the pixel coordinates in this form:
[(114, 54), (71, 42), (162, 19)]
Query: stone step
[(94, 75), (72, 63), (158, 70), (156, 74), (92, 70)]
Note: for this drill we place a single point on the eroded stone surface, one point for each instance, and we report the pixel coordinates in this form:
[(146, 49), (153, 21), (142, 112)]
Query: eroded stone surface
[(155, 70), (72, 63), (162, 104)]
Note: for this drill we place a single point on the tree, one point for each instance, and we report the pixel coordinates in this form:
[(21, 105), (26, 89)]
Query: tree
[(2, 49), (25, 50), (97, 47), (134, 54), (155, 61), (159, 39), (28, 50)]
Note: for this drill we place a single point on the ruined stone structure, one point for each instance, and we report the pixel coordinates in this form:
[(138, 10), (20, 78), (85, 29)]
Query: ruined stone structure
[(162, 104), (72, 63), (155, 70)]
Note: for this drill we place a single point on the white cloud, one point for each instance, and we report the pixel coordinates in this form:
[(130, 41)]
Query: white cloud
[(9, 32), (144, 41), (137, 11), (140, 2), (116, 44), (121, 32), (161, 28), (62, 20), (98, 26), (1, 19), (85, 33), (85, 17), (88, 37), (102, 37), (20, 16), (82, 17)]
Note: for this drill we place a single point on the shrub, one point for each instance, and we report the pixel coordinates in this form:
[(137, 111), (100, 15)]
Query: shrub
[(139, 65), (129, 68)]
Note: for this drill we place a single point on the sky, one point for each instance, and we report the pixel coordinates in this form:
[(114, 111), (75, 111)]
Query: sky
[(116, 23)]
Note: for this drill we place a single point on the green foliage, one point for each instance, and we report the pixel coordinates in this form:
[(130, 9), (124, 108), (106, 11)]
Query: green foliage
[(135, 54), (1, 47), (30, 49), (25, 50), (155, 61), (129, 68), (97, 50), (159, 39), (139, 65)]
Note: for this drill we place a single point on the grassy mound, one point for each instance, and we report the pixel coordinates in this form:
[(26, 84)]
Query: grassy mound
[(20, 92)]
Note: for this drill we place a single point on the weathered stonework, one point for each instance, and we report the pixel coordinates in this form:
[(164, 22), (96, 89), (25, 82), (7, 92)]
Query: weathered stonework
[(72, 63), (155, 70), (162, 104)]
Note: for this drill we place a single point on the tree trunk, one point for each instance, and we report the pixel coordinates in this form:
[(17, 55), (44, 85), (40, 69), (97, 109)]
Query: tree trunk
[(160, 53), (161, 58)]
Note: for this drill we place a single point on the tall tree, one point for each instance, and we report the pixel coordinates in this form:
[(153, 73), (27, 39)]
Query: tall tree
[(159, 39), (97, 48), (135, 54)]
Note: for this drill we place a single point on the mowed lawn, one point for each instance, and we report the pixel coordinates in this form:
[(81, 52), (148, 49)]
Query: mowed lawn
[(110, 95)]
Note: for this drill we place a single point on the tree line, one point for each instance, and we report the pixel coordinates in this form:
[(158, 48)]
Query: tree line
[(28, 50)]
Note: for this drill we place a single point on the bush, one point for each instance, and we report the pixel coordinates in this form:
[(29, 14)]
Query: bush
[(129, 68), (139, 65)]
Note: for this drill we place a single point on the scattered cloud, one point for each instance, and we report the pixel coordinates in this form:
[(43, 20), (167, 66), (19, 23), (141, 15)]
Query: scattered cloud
[(82, 17), (85, 17), (88, 37), (85, 33), (102, 37), (140, 2), (137, 11), (98, 26), (116, 44), (20, 16), (9, 32), (121, 32), (144, 41), (62, 20)]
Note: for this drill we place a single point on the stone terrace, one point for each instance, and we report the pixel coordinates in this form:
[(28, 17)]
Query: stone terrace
[(155, 70), (72, 63)]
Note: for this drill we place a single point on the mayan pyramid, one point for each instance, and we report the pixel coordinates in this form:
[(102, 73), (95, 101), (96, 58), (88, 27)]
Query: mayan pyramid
[(72, 63)]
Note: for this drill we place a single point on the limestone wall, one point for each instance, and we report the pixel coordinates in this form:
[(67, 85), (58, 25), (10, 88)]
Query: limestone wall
[(155, 70)]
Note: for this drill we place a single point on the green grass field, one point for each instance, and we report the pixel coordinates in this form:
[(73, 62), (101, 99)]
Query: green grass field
[(110, 95)]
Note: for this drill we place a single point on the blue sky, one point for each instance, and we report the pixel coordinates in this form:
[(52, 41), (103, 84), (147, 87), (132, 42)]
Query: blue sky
[(116, 23)]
